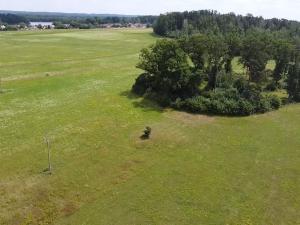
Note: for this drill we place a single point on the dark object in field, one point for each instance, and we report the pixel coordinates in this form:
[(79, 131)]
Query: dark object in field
[(147, 133)]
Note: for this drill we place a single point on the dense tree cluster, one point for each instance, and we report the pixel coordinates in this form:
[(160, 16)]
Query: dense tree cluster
[(208, 21), (194, 73), (12, 19)]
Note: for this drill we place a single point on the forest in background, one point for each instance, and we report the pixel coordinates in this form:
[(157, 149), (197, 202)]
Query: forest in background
[(18, 20), (209, 21)]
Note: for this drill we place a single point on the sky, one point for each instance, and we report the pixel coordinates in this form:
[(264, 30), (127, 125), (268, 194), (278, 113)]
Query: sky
[(289, 9)]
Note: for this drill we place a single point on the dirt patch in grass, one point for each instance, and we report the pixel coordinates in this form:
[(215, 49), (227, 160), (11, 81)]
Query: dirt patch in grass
[(26, 201), (127, 170), (188, 118), (128, 165), (32, 201), (69, 208)]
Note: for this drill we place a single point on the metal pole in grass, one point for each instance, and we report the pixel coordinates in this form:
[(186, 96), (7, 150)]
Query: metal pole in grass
[(47, 141)]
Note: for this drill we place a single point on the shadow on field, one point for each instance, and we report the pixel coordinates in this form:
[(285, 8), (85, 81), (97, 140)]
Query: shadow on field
[(155, 35), (138, 102)]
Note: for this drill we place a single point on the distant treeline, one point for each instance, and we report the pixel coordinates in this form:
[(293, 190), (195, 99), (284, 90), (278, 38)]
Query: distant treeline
[(94, 22), (15, 18), (12, 19), (95, 19), (209, 21)]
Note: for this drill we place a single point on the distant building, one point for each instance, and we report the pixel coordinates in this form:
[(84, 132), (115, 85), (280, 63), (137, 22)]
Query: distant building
[(137, 25), (119, 25), (111, 25), (67, 26), (42, 25)]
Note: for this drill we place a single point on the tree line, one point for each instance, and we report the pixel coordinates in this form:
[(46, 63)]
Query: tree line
[(83, 21), (194, 72), (96, 22), (209, 21)]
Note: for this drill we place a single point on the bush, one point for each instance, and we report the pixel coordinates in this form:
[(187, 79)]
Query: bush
[(229, 102), (263, 105), (246, 108), (275, 101), (197, 104)]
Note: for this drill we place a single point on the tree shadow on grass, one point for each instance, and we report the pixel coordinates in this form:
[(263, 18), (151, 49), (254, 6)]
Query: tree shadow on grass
[(143, 103), (156, 35), (148, 105)]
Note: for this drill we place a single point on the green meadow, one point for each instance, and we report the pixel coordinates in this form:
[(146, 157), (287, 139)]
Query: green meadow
[(74, 88)]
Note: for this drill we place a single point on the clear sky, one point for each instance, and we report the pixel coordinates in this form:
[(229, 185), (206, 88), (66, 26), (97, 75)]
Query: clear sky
[(289, 9)]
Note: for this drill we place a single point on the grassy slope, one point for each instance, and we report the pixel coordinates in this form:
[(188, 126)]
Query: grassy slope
[(73, 86)]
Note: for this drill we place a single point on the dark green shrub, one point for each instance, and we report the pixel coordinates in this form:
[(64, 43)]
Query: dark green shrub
[(272, 86), (246, 108), (263, 105), (198, 104), (230, 102), (275, 101), (224, 80)]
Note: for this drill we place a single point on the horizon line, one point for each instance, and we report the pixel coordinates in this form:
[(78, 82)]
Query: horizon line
[(136, 15)]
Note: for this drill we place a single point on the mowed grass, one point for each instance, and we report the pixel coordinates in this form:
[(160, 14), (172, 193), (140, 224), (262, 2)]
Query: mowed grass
[(73, 86)]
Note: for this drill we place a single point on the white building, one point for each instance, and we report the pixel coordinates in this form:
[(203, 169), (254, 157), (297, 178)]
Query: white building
[(44, 25)]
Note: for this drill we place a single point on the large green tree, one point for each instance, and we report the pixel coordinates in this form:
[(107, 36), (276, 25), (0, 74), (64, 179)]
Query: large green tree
[(282, 56), (217, 51), (293, 87), (167, 71), (196, 48), (233, 41), (161, 25), (255, 52)]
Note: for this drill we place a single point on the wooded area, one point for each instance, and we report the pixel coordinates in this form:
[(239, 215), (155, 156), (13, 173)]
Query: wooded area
[(193, 72)]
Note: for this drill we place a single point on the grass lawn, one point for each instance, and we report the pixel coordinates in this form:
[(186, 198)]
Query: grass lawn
[(73, 86)]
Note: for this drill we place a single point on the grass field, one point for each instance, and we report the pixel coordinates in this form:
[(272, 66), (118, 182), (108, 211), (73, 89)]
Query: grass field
[(73, 86)]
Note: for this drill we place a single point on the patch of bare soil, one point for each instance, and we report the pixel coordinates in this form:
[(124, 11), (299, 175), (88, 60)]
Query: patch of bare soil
[(188, 118), (31, 201)]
